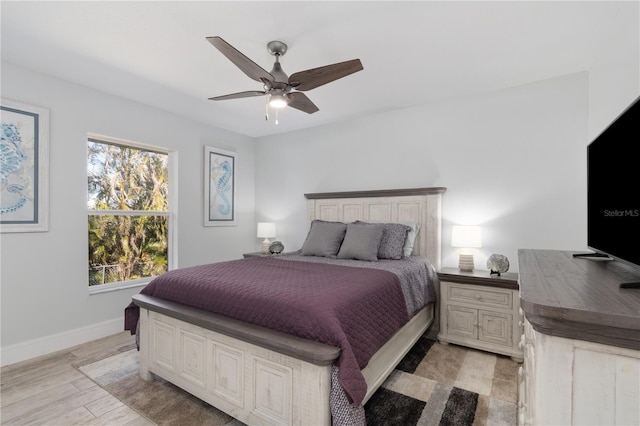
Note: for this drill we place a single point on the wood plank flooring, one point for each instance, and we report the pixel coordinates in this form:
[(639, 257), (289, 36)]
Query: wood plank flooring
[(49, 390)]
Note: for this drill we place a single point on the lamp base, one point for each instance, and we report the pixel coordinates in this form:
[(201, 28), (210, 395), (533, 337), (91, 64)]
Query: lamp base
[(265, 246), (466, 262)]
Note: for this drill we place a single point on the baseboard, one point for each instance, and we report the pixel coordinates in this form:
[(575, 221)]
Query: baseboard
[(56, 342)]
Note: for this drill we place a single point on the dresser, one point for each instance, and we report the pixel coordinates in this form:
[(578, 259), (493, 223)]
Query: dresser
[(581, 341), (480, 310)]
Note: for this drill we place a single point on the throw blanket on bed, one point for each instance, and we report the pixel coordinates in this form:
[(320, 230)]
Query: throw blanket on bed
[(355, 309), (418, 277)]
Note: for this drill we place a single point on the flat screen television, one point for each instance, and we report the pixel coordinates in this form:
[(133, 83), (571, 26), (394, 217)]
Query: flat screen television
[(613, 185)]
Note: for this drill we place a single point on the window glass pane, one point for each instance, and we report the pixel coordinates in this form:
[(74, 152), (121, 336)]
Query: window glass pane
[(129, 242), (123, 248), (124, 178)]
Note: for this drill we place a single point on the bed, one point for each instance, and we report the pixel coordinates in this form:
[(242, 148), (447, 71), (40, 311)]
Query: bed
[(262, 375)]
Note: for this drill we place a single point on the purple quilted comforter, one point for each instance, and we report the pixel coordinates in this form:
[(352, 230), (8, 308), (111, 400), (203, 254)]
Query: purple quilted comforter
[(355, 309)]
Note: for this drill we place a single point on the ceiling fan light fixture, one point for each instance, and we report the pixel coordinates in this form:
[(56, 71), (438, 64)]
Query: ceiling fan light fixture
[(278, 101)]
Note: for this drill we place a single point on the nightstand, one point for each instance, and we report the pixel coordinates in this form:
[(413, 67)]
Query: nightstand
[(481, 311), (256, 254)]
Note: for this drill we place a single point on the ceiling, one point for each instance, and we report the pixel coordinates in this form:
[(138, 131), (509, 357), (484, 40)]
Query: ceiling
[(413, 52)]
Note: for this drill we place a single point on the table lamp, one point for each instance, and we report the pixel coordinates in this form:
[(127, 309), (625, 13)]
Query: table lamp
[(266, 230), (468, 238)]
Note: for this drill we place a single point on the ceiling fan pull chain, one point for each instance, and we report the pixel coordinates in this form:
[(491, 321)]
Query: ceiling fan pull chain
[(276, 117), (266, 110)]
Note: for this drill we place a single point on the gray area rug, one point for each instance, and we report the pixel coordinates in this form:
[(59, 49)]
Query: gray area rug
[(433, 385)]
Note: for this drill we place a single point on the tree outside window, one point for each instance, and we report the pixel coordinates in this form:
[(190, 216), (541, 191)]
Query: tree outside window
[(128, 212)]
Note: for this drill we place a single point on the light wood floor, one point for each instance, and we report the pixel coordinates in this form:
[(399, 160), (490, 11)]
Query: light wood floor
[(49, 390)]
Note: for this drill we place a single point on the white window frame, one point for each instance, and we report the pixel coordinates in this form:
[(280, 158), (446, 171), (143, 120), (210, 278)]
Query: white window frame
[(172, 253)]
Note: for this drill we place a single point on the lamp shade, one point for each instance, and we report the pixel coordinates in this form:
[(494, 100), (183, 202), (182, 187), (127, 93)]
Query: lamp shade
[(466, 236), (266, 230)]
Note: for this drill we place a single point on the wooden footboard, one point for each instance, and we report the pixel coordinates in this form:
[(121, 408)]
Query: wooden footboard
[(251, 383), (256, 375)]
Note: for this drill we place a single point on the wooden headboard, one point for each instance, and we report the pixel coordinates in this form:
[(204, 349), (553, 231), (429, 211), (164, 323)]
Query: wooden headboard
[(419, 205)]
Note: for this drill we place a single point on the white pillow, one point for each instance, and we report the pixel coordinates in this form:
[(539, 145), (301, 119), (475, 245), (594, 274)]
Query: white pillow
[(411, 238)]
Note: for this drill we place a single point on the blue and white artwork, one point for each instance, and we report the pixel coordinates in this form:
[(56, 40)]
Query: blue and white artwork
[(23, 167), (220, 168)]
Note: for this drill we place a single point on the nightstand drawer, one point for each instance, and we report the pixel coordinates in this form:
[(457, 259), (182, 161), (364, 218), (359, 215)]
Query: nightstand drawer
[(479, 296)]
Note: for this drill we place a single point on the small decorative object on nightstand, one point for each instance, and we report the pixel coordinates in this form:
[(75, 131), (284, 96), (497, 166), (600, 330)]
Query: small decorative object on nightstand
[(276, 247), (498, 264), (480, 311)]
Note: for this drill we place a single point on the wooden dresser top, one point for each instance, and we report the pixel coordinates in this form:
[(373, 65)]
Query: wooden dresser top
[(579, 298)]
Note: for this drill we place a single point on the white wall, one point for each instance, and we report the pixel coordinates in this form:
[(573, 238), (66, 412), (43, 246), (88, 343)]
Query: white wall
[(45, 300), (613, 87), (513, 161)]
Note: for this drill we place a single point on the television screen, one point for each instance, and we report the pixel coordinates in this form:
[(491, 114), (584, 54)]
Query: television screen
[(613, 167)]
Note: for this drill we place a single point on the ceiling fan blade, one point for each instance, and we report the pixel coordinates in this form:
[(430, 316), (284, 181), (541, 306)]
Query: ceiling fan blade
[(238, 95), (315, 77), (246, 65), (302, 102)]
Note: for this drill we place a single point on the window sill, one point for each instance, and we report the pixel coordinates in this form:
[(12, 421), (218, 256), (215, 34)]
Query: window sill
[(107, 288)]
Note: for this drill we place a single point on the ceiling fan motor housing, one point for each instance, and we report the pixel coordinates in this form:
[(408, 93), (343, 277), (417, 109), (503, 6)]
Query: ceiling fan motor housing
[(278, 75)]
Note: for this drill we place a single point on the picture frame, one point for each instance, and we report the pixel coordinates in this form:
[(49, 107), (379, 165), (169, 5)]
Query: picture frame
[(24, 167), (219, 187)]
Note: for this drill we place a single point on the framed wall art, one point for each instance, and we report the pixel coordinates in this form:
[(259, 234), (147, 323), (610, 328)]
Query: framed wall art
[(219, 187), (24, 167)]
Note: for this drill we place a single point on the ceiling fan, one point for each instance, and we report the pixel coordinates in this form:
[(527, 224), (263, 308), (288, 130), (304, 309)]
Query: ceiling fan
[(280, 89)]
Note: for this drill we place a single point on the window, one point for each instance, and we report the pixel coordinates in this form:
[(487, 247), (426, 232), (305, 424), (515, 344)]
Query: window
[(128, 213)]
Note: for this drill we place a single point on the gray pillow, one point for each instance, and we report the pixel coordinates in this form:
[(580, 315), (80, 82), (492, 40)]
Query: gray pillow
[(361, 241), (393, 240), (324, 238)]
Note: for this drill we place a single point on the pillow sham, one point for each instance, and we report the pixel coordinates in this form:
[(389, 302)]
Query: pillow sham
[(393, 240), (411, 238), (361, 241), (324, 238)]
